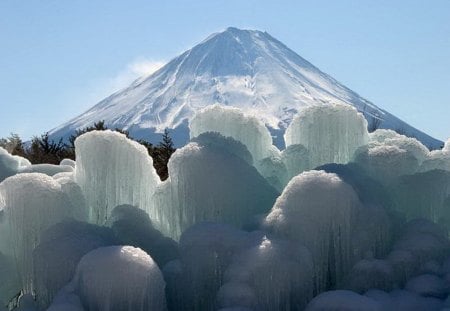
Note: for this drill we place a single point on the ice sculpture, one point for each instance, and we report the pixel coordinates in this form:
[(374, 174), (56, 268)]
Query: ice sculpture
[(437, 159), (32, 203), (318, 210), (331, 133), (371, 273), (296, 158), (132, 226), (424, 195), (9, 282), (10, 165), (232, 122), (340, 300), (112, 170), (272, 275), (385, 163), (119, 278), (58, 253), (48, 169), (207, 183), (206, 251), (392, 138)]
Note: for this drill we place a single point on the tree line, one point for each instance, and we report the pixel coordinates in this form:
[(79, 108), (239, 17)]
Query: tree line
[(44, 149)]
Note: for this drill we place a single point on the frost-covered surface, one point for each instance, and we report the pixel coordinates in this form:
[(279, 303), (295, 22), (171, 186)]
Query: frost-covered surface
[(232, 122), (370, 233), (247, 69), (119, 278), (250, 279), (207, 183), (58, 253), (32, 203), (10, 165), (112, 170), (331, 133), (318, 210)]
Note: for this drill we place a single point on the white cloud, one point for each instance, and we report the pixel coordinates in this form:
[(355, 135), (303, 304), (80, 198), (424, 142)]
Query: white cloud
[(134, 70)]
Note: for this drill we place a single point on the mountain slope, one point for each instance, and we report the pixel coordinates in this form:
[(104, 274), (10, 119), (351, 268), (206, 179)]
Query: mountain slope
[(243, 68)]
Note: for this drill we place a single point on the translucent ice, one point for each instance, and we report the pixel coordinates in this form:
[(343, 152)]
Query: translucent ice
[(424, 195), (132, 226), (207, 183), (10, 165), (232, 122), (112, 170), (119, 278), (318, 209), (331, 133), (272, 275), (57, 255), (32, 203)]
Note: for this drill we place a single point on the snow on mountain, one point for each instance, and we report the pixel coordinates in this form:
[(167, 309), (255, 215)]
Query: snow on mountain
[(248, 69)]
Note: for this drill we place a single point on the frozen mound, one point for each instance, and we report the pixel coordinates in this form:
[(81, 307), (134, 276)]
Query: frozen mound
[(343, 300), (32, 203), (209, 184), (132, 226), (206, 251), (58, 253), (424, 240), (318, 210), (385, 163), (392, 138), (274, 171), (226, 144), (47, 169), (296, 159), (68, 162), (10, 164), (232, 122), (371, 273), (424, 195), (112, 170), (119, 278), (75, 195), (331, 133), (437, 159), (272, 275), (372, 232), (369, 191), (428, 285), (402, 300)]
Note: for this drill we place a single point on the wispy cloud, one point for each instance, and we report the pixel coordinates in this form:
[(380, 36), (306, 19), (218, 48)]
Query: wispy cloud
[(134, 70)]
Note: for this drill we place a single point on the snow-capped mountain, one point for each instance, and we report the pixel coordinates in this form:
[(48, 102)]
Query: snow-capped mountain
[(248, 69)]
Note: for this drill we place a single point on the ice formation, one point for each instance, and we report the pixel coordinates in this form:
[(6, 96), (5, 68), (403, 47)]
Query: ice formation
[(207, 183), (132, 226), (392, 138), (318, 210), (10, 165), (48, 169), (331, 133), (112, 170), (385, 163), (119, 278), (372, 217), (296, 159), (424, 195), (32, 203), (206, 251), (272, 275), (232, 122), (63, 245)]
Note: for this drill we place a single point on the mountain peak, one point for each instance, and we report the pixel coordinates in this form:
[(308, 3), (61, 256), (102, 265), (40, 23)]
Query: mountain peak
[(248, 69)]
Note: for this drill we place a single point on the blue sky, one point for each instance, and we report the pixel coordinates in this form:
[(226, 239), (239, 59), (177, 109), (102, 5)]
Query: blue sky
[(58, 58)]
